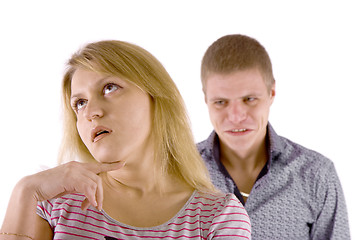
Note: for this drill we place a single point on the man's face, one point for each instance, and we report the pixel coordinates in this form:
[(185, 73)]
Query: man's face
[(239, 105)]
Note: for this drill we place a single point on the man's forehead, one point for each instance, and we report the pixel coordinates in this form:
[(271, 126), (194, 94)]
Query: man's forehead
[(247, 80)]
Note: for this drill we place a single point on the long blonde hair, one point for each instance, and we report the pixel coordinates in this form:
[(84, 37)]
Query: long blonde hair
[(174, 143)]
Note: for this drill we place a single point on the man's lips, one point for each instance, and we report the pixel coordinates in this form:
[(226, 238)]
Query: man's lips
[(238, 131), (99, 132)]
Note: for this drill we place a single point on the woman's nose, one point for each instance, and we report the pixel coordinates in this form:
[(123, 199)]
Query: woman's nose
[(94, 109)]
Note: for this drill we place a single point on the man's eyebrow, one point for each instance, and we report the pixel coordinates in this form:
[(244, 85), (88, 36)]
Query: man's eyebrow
[(253, 94), (217, 99)]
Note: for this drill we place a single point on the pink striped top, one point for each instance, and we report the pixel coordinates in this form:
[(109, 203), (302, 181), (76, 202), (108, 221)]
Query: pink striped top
[(204, 216)]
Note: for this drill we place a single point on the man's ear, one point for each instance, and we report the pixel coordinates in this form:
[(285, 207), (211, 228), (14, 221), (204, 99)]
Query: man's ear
[(204, 95), (272, 92)]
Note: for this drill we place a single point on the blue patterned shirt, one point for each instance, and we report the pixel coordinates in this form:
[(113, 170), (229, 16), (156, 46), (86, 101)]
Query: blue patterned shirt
[(297, 195)]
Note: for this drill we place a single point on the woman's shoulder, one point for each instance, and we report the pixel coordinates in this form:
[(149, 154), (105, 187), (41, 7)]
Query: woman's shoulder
[(225, 214), (217, 201), (216, 196), (73, 199), (66, 207), (68, 203)]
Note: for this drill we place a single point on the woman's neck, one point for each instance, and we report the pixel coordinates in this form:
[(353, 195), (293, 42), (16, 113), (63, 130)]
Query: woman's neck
[(136, 177), (135, 201)]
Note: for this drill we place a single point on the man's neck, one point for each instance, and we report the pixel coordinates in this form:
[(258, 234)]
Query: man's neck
[(248, 160), (244, 167)]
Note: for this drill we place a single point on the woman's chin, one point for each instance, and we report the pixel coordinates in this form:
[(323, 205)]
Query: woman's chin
[(107, 158), (107, 161)]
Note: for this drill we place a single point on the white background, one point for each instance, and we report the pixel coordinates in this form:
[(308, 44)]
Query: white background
[(314, 47)]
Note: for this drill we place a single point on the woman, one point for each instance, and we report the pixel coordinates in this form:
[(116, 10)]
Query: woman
[(139, 174)]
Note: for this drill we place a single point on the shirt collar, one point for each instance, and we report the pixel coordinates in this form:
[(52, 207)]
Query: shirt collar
[(274, 144)]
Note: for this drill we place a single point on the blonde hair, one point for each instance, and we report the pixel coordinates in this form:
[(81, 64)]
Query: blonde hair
[(235, 52), (174, 144)]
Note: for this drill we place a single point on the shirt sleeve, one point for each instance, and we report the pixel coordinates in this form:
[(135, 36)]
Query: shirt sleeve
[(230, 221), (44, 210), (332, 220)]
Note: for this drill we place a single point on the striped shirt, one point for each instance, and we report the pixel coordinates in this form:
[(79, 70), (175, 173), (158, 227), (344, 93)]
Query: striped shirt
[(204, 216)]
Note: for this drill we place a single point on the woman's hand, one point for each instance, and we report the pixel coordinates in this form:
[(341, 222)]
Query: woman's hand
[(72, 177)]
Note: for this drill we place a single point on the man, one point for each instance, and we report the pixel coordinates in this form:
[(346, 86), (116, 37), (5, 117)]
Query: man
[(289, 192)]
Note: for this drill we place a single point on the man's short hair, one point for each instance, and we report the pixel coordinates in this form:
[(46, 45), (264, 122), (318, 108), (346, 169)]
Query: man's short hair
[(236, 52)]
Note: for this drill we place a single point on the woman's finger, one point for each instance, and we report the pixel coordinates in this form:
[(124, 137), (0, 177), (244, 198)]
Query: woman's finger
[(88, 186), (74, 177), (93, 190), (104, 167), (99, 195), (85, 204)]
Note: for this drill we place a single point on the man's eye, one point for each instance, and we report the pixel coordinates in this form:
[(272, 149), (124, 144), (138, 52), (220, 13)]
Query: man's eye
[(111, 87), (250, 99), (219, 102)]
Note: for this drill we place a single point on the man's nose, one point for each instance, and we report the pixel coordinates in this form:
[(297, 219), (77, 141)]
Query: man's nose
[(237, 112)]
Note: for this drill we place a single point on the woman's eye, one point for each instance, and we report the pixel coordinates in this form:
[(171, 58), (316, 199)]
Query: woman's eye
[(110, 88), (79, 104)]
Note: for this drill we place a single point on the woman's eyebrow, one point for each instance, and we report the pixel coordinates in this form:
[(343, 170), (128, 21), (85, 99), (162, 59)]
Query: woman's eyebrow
[(96, 84)]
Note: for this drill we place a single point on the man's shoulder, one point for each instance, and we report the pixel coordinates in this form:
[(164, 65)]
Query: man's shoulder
[(291, 147), (201, 146), (299, 157), (293, 156), (205, 147)]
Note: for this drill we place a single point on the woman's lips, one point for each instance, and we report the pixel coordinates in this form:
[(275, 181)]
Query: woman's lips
[(99, 132)]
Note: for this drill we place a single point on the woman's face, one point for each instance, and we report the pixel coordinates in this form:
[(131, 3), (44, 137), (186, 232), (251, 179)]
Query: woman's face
[(113, 116)]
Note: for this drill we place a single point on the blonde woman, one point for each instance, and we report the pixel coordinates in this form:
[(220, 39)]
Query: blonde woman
[(138, 173)]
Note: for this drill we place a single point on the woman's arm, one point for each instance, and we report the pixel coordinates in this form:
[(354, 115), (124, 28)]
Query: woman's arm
[(21, 217)]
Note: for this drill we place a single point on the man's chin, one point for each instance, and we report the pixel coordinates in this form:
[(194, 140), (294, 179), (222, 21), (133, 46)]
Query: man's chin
[(237, 143)]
